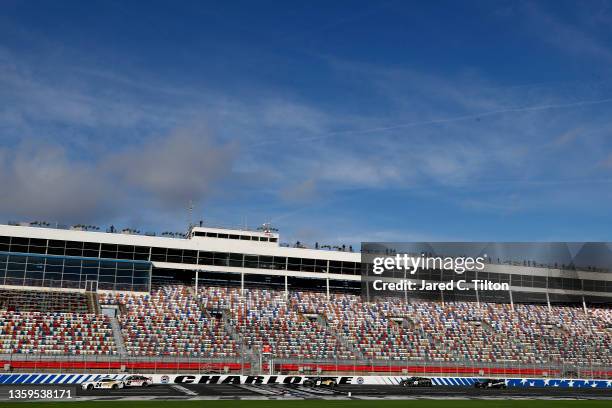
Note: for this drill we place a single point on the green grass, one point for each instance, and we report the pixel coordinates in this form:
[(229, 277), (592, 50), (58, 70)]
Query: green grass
[(319, 404)]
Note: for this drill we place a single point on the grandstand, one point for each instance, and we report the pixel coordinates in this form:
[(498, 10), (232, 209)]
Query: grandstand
[(82, 300)]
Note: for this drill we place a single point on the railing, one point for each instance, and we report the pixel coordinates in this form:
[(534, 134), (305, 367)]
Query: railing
[(441, 368), (238, 365), (105, 363)]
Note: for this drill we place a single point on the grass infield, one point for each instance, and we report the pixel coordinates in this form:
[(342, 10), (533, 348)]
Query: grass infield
[(318, 403)]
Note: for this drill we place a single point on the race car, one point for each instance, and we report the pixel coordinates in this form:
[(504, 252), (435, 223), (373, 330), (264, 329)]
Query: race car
[(416, 382), (137, 381), (320, 382), (103, 383), (491, 383)]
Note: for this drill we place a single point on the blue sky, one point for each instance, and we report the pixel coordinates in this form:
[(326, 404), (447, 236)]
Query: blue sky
[(343, 122)]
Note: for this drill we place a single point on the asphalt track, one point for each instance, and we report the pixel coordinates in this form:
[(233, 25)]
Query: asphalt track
[(274, 392)]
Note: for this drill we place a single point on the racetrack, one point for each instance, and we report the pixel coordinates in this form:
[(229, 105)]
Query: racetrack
[(299, 392)]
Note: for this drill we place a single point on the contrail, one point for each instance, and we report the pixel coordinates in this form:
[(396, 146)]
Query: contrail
[(449, 120), (482, 114)]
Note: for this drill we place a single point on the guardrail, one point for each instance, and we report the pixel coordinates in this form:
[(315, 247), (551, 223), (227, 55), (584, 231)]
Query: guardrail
[(244, 365)]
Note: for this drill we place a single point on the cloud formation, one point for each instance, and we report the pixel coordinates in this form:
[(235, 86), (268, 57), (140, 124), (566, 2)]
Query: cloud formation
[(43, 182), (175, 169)]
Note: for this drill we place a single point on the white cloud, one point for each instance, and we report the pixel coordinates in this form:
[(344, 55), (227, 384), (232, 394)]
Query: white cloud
[(43, 181), (172, 170)]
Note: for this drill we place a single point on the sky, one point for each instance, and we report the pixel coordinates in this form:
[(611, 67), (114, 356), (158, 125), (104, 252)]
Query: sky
[(338, 122)]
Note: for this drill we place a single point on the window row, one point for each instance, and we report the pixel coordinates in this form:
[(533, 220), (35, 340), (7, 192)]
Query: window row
[(71, 273), (234, 236), (173, 255)]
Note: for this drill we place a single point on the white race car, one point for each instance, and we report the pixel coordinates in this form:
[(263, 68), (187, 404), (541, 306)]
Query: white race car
[(103, 383), (137, 381)]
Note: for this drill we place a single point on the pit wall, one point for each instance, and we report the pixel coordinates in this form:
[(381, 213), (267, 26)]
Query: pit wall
[(33, 378)]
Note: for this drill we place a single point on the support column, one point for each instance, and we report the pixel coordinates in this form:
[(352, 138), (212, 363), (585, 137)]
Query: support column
[(242, 284), (584, 306), (476, 290), (286, 288), (511, 300), (327, 287), (548, 302), (196, 280)]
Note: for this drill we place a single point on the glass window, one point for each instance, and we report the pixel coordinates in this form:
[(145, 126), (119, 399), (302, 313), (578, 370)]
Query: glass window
[(55, 262), (236, 260), (91, 250), (106, 278), (280, 263), (36, 263), (72, 267), (16, 272), (74, 244), (20, 241), (125, 266), (158, 254), (141, 253), (125, 252), (206, 258), (265, 262), (335, 267), (251, 261), (539, 281), (16, 263), (38, 242), (221, 259), (19, 244), (175, 255), (294, 264), (74, 248), (38, 246), (190, 256), (555, 283), (56, 247), (108, 251), (73, 277), (308, 265), (321, 265)]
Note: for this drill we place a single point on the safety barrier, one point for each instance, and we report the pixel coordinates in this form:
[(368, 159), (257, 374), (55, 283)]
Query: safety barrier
[(41, 378)]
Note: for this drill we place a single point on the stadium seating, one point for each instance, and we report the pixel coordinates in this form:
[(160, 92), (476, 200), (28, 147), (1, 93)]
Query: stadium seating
[(265, 319), (224, 322), (423, 331), (55, 333), (169, 322), (43, 301)]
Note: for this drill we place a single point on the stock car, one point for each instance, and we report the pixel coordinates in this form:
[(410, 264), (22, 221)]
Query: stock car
[(103, 383), (320, 382), (498, 383), (137, 381), (416, 382)]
